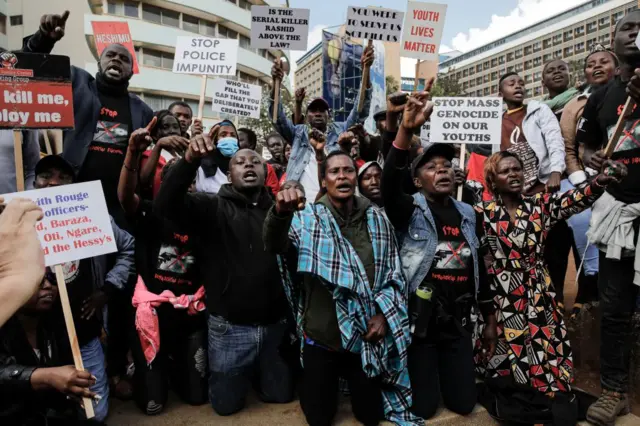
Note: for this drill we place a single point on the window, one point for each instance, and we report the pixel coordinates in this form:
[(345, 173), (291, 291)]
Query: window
[(568, 51), (494, 76), (485, 79), (190, 23), (518, 67), (510, 57), (518, 53), (557, 39), (478, 67), (152, 58), (486, 65), (591, 27), (151, 13), (465, 85), (547, 43), (590, 43), (244, 4), (557, 54), (616, 17), (478, 81), (527, 50), (510, 69), (15, 20), (479, 93), (472, 71), (537, 91), (207, 28), (501, 60), (546, 58), (162, 102), (245, 43), (170, 18), (604, 39), (3, 24), (131, 9), (604, 22), (537, 76), (527, 93), (568, 35), (537, 46), (528, 65), (527, 78), (494, 63), (487, 91), (579, 31), (494, 88), (112, 7), (537, 62), (465, 73), (225, 32), (579, 47)]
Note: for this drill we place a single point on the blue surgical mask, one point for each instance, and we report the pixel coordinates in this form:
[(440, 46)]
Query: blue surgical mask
[(227, 146)]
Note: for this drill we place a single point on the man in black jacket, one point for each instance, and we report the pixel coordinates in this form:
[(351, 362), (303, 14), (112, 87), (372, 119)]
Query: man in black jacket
[(245, 297), (35, 374)]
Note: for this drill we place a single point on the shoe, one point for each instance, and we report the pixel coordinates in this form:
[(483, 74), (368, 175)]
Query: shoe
[(607, 408)]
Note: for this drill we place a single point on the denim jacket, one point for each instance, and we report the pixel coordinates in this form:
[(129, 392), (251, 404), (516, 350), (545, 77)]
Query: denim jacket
[(301, 149), (419, 243)]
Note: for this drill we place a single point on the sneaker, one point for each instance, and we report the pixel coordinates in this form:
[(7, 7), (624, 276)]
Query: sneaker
[(607, 408)]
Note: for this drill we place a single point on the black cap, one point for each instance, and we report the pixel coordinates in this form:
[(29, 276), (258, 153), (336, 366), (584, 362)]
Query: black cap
[(55, 162), (318, 104), (380, 115), (437, 149)]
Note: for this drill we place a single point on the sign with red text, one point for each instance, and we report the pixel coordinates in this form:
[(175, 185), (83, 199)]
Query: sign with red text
[(76, 223), (204, 55), (374, 23), (279, 28), (236, 98), (466, 120), (36, 91), (110, 32), (423, 25)]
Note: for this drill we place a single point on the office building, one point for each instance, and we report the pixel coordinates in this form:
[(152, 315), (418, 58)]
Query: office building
[(155, 26), (568, 35)]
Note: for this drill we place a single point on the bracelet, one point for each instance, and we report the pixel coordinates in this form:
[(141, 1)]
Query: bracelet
[(131, 170)]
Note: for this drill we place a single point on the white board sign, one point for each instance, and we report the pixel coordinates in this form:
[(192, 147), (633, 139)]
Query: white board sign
[(425, 134), (423, 25), (76, 223), (279, 28), (467, 120), (204, 55), (236, 98), (374, 23)]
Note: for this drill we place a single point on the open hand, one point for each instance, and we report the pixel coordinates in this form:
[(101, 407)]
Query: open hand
[(53, 26), (376, 329), (290, 200), (141, 138)]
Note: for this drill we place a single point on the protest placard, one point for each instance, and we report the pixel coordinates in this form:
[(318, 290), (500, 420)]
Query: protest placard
[(76, 223), (374, 23), (466, 120), (204, 55), (36, 91), (110, 32), (423, 25), (236, 98), (425, 134), (279, 28)]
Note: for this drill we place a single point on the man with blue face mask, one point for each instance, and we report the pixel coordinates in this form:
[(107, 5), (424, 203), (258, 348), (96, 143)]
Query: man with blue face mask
[(245, 299), (212, 173)]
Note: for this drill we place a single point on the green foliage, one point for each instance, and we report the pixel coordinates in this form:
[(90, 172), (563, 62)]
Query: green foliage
[(392, 84)]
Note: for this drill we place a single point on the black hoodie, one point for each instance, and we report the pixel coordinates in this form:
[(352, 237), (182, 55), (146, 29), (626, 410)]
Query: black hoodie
[(241, 278)]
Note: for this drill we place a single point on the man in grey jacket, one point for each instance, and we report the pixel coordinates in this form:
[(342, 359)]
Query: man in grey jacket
[(91, 283)]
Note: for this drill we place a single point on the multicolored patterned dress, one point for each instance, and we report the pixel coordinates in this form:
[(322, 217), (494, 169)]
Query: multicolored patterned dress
[(533, 346)]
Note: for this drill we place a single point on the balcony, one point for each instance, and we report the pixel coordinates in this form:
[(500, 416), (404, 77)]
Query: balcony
[(160, 36)]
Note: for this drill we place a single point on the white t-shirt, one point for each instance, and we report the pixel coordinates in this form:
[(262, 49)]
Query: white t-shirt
[(309, 180), (210, 184)]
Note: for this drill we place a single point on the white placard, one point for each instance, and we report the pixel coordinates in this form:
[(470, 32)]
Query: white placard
[(279, 28), (76, 223), (204, 55), (467, 120), (425, 134), (423, 25), (236, 98), (374, 23)]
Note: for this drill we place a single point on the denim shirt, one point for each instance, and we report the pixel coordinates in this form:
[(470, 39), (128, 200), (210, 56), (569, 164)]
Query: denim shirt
[(301, 150), (419, 243)]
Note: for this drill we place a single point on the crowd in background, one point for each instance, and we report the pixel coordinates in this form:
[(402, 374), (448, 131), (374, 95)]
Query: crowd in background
[(344, 263)]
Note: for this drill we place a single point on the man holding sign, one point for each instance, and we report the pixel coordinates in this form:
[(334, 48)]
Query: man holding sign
[(301, 165)]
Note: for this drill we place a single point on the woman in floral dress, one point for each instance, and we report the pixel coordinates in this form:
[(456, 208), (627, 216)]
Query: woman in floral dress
[(533, 346)]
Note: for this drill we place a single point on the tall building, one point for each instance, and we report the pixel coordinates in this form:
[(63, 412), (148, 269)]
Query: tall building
[(155, 26), (568, 35), (4, 23)]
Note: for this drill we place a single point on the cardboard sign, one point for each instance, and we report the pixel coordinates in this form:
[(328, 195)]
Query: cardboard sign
[(204, 55), (76, 223), (467, 120), (374, 23), (236, 98), (36, 91), (106, 33), (423, 25), (279, 28)]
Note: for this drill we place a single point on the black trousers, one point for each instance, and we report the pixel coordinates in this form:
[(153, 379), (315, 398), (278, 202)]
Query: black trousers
[(181, 362), (319, 393), (618, 299), (444, 369), (556, 254), (118, 332)]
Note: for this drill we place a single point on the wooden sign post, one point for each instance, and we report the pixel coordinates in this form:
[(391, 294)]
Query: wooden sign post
[(17, 155), (363, 85), (203, 91)]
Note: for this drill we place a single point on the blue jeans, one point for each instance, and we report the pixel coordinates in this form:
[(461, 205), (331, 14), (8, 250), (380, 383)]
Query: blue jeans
[(93, 360), (579, 225), (242, 355)]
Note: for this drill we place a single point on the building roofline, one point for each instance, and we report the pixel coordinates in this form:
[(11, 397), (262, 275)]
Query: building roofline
[(311, 52)]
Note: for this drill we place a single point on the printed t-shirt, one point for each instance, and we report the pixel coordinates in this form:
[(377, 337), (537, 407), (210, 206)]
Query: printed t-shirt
[(597, 125), (514, 140)]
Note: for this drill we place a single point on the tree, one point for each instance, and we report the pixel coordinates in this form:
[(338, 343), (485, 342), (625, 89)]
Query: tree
[(576, 71), (392, 84), (447, 85)]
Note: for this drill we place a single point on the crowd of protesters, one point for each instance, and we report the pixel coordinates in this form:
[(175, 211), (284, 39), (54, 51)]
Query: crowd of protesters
[(344, 264)]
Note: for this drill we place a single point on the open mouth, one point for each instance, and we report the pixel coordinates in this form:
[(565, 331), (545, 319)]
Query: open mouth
[(113, 71), (518, 94), (374, 191), (250, 176), (558, 79), (515, 183), (598, 73), (344, 188)]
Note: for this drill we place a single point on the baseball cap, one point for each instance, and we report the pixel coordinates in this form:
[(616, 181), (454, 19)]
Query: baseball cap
[(318, 104), (55, 162), (437, 149)]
